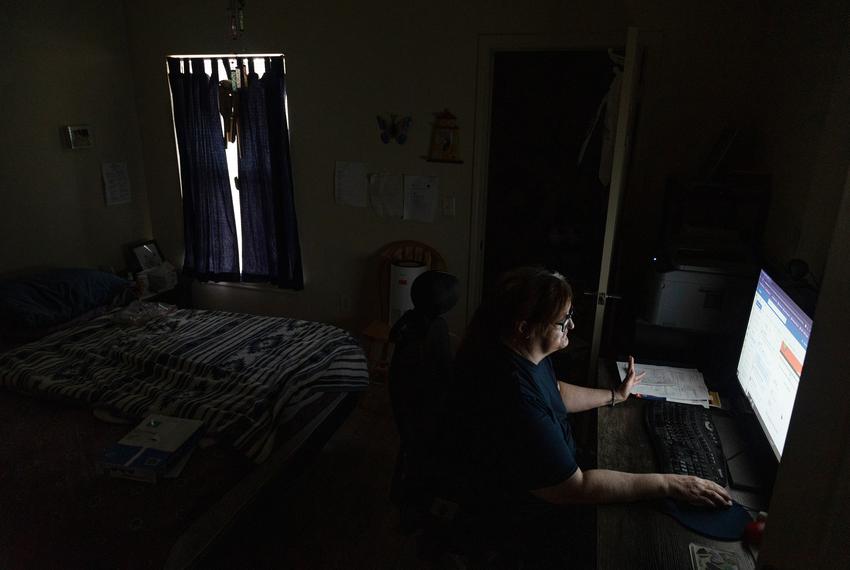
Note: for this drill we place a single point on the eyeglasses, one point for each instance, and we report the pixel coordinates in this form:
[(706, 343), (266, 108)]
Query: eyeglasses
[(567, 323)]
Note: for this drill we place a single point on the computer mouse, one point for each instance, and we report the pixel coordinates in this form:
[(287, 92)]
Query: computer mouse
[(754, 530)]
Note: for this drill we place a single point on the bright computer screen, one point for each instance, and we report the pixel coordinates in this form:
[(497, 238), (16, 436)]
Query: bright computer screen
[(772, 358)]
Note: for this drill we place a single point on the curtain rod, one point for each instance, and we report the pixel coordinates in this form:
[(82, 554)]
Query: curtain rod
[(231, 55)]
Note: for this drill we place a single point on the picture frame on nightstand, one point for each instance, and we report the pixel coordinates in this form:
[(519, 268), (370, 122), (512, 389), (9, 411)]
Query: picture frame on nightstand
[(144, 255)]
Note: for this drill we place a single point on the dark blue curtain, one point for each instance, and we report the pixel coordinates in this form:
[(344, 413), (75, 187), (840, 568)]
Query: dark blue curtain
[(271, 251), (209, 224)]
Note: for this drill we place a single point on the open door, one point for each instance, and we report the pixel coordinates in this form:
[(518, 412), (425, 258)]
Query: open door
[(619, 167), (516, 89)]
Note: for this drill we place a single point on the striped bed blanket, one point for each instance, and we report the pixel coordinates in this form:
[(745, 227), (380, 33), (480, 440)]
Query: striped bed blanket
[(241, 374)]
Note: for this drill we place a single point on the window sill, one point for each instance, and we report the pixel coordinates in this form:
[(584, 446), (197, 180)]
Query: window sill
[(257, 287)]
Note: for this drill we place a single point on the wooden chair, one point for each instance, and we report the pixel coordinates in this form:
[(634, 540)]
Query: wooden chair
[(377, 334)]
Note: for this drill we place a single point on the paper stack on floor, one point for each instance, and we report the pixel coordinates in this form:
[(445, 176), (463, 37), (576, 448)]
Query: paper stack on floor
[(683, 385), (157, 448)]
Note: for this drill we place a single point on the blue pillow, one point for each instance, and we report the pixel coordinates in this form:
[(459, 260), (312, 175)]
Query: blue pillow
[(54, 297)]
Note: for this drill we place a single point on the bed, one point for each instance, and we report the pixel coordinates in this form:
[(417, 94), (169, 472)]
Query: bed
[(265, 388)]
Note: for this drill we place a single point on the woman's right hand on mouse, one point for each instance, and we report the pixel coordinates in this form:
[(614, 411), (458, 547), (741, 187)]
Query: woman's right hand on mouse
[(697, 491)]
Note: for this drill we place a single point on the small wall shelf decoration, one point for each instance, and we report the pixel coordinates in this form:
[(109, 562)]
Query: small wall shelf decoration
[(80, 136), (445, 139), (393, 127)]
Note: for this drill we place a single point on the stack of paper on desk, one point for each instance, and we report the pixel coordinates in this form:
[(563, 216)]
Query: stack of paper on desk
[(683, 385)]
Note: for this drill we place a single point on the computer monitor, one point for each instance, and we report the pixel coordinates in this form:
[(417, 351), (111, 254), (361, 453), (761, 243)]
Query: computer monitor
[(772, 358)]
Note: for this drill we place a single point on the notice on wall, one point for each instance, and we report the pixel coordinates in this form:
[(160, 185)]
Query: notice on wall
[(116, 183), (420, 198), (386, 194), (350, 184)]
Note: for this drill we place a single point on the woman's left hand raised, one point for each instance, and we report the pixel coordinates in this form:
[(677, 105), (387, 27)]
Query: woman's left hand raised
[(628, 384)]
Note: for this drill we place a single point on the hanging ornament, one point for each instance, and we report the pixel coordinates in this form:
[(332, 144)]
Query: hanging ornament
[(236, 18)]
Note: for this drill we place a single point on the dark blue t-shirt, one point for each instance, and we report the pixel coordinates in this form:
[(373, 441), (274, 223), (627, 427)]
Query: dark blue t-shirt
[(517, 432)]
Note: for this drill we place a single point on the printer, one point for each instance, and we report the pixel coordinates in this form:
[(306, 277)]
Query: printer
[(712, 298), (703, 276)]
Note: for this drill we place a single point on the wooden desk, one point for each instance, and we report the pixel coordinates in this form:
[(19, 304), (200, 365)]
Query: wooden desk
[(639, 535)]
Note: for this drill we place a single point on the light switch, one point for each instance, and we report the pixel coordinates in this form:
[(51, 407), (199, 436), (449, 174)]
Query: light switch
[(447, 206)]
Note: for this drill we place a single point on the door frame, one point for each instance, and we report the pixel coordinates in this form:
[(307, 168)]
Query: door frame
[(626, 122), (488, 46)]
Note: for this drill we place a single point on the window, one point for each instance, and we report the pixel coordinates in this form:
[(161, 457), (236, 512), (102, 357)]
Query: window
[(230, 122)]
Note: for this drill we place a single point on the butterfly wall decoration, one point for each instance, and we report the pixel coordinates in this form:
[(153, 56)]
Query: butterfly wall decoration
[(393, 127)]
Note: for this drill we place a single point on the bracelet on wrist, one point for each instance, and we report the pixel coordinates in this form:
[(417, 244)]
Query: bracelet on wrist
[(612, 398)]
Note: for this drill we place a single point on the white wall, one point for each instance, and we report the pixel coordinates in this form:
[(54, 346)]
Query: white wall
[(346, 62), (66, 63), (803, 117)]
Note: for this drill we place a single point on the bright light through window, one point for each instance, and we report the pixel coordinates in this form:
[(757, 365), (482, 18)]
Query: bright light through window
[(231, 148), (225, 65)]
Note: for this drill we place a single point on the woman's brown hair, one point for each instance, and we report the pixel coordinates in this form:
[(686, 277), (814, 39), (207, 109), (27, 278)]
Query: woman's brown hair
[(531, 294)]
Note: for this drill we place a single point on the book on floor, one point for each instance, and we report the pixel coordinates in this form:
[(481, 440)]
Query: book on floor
[(158, 447)]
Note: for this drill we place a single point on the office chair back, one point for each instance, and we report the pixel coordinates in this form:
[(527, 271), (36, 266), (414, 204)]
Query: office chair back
[(419, 378), (431, 485)]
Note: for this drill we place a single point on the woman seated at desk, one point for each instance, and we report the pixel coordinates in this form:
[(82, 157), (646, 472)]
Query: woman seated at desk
[(513, 412)]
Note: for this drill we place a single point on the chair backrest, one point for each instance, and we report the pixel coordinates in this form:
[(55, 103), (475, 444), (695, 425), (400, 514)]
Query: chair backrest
[(404, 250), (419, 380), (421, 365)]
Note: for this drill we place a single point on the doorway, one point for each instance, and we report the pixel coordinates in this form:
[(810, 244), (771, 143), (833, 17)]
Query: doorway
[(545, 203)]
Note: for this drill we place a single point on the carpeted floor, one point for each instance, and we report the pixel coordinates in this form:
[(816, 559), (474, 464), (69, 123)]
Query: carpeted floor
[(338, 513)]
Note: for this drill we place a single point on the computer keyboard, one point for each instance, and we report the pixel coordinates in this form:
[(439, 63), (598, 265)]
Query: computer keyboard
[(685, 440)]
